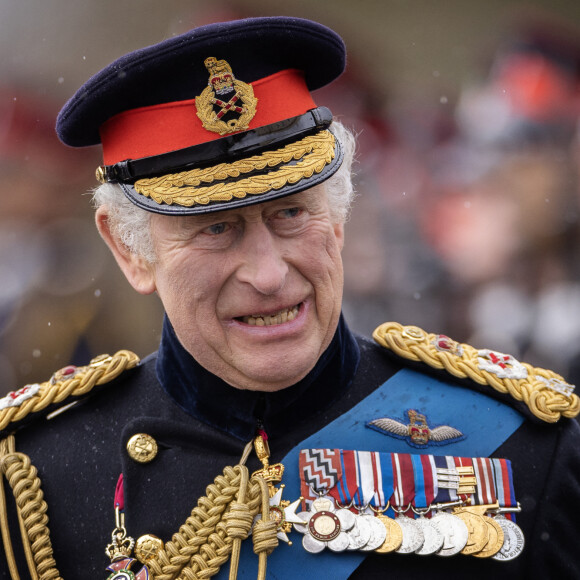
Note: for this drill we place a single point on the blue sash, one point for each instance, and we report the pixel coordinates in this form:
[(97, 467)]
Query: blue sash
[(485, 422)]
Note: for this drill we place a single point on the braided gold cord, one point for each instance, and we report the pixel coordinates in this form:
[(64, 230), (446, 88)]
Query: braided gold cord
[(100, 370), (463, 361), (202, 544), (25, 484)]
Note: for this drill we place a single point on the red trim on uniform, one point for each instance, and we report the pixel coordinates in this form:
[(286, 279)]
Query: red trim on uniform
[(158, 129)]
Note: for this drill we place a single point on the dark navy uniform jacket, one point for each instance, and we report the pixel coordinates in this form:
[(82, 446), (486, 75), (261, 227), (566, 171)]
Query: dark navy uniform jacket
[(201, 425)]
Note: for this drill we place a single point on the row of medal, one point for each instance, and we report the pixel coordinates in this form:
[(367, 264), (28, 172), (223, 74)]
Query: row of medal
[(440, 505), (455, 530)]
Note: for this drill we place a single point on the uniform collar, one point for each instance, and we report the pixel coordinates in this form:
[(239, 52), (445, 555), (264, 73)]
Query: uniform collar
[(238, 412)]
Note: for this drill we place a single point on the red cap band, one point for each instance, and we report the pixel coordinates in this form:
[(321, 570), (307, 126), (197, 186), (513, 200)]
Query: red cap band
[(149, 131)]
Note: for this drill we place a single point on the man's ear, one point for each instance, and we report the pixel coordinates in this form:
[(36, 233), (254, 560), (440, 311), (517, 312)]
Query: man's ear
[(137, 270)]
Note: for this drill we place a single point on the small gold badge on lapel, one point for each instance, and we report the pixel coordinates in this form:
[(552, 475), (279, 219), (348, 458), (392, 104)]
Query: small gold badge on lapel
[(226, 105)]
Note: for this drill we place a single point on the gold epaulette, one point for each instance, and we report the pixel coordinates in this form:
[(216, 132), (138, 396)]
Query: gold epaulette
[(547, 394), (64, 387)]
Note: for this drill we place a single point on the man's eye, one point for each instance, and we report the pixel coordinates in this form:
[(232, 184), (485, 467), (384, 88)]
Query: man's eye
[(216, 229), (291, 212)]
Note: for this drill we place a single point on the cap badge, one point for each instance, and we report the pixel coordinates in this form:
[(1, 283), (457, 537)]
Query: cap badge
[(226, 105), (417, 432)]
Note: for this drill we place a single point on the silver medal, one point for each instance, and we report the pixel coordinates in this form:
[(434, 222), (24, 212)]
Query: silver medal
[(339, 544), (378, 533), (347, 521), (454, 532), (346, 517), (433, 538), (513, 543), (312, 545), (359, 534), (413, 537)]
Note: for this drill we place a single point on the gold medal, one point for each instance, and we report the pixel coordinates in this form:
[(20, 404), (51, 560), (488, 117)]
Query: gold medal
[(496, 539), (477, 528), (394, 535)]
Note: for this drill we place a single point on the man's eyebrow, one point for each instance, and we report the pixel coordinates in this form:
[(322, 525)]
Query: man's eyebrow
[(202, 219)]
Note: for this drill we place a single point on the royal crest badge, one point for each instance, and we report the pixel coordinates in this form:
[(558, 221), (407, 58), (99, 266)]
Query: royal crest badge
[(417, 432), (226, 105)]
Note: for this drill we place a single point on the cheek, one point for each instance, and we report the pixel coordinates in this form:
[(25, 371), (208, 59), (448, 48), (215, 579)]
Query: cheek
[(324, 264), (190, 288)]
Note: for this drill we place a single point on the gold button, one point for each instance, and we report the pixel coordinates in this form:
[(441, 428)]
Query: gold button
[(147, 547), (142, 448)]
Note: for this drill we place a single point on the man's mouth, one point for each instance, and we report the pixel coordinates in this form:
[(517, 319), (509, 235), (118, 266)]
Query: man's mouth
[(270, 319)]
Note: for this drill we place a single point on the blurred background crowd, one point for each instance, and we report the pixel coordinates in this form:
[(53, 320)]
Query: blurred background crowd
[(467, 216)]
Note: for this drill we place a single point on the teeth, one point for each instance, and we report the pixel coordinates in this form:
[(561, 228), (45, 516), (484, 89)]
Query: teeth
[(269, 320)]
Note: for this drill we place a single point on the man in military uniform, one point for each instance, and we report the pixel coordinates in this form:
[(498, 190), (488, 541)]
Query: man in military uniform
[(225, 190)]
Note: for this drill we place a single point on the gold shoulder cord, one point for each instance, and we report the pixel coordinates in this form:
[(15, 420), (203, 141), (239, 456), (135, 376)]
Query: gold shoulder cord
[(213, 532), (22, 475), (546, 393), (101, 370)]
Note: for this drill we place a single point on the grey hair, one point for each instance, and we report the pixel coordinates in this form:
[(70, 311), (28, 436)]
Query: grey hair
[(132, 225), (128, 223), (339, 187)]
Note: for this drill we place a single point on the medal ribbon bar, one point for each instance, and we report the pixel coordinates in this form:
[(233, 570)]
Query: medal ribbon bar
[(361, 480)]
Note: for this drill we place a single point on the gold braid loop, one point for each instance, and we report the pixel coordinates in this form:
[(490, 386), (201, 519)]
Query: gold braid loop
[(265, 540), (266, 528), (25, 484), (546, 393), (100, 370), (238, 521)]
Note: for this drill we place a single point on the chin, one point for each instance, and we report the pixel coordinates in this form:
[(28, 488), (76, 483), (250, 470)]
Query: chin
[(274, 381)]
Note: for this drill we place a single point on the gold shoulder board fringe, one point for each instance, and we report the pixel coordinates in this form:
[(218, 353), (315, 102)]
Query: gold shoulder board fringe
[(547, 394), (64, 387)]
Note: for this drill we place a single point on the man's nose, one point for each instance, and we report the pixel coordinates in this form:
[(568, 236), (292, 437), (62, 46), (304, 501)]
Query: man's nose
[(262, 262)]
